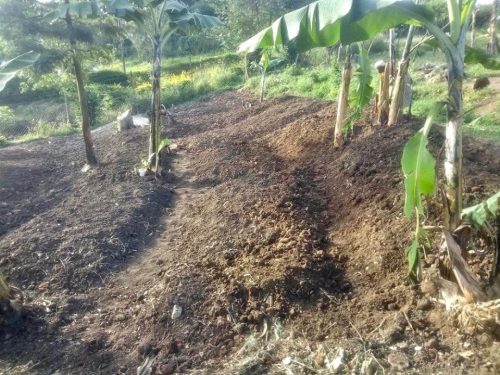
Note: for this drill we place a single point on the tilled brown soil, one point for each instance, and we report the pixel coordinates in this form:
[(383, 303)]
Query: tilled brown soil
[(281, 251)]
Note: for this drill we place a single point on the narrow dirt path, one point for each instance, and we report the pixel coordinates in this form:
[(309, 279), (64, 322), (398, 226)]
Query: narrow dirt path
[(143, 272)]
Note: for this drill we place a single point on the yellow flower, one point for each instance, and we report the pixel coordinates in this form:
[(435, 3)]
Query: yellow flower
[(144, 86), (177, 79)]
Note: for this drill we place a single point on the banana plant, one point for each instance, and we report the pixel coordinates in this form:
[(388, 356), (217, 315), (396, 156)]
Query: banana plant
[(419, 169), (355, 99), (454, 47), (159, 20), (363, 90), (265, 65)]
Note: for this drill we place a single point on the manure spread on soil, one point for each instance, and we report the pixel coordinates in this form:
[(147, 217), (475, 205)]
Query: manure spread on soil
[(258, 229)]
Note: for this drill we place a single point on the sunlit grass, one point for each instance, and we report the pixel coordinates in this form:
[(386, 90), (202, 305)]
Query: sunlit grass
[(46, 130), (320, 82), (189, 85)]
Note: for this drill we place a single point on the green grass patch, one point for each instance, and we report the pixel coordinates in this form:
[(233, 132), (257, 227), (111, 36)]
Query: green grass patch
[(319, 82), (487, 127), (40, 119), (189, 85), (46, 130)]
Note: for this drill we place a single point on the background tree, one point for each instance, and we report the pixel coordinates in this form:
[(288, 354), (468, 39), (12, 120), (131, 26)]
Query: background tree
[(82, 95), (62, 41)]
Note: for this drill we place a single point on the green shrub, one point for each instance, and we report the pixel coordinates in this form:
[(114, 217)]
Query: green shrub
[(7, 121), (105, 102), (379, 44), (93, 102), (108, 77), (3, 141)]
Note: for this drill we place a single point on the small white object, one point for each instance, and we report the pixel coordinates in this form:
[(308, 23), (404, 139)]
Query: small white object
[(176, 312), (286, 361), (125, 121), (338, 361), (469, 354), (86, 168), (141, 172)]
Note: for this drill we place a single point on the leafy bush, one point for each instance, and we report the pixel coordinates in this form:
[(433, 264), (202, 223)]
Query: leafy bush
[(7, 121), (94, 104), (105, 101), (3, 141), (108, 77)]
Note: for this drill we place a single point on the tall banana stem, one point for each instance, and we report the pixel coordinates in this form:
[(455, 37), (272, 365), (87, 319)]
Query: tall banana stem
[(342, 100), (155, 102), (398, 92), (383, 96), (453, 146)]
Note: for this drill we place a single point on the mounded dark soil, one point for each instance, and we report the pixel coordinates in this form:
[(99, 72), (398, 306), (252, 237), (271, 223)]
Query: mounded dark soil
[(279, 249)]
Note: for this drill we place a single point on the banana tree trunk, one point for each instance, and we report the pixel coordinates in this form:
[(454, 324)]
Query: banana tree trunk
[(383, 96), (398, 92), (154, 133), (342, 100), (493, 43), (453, 145), (392, 53), (82, 96)]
